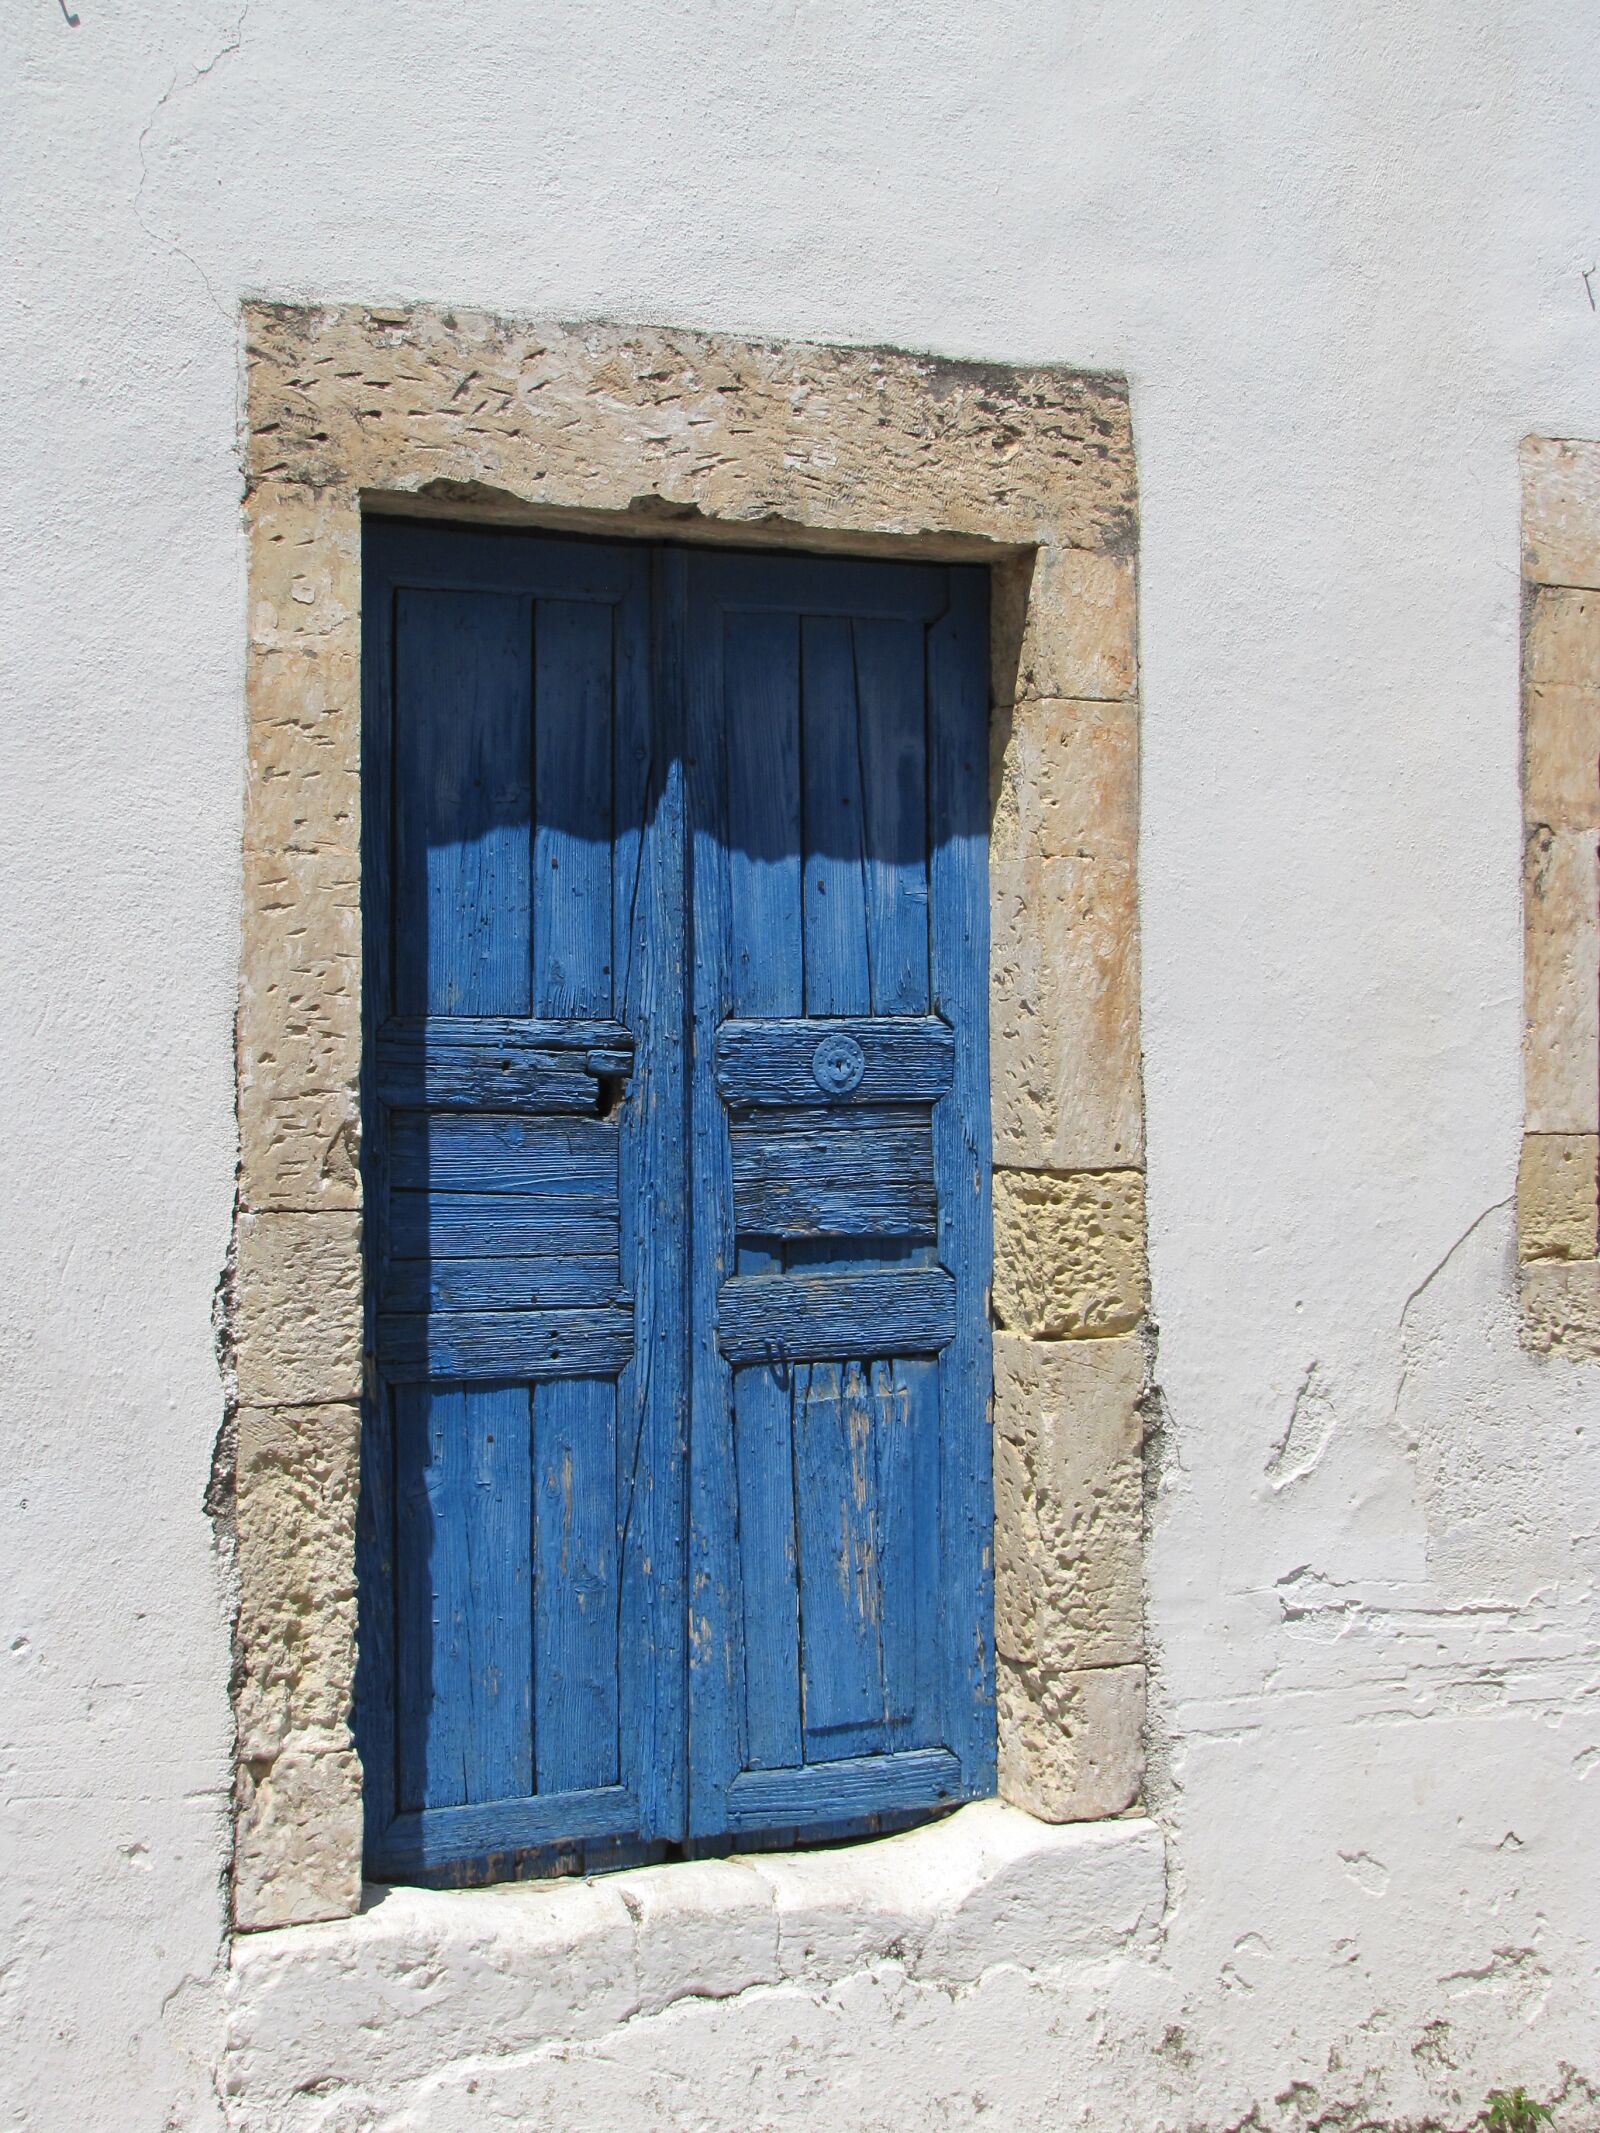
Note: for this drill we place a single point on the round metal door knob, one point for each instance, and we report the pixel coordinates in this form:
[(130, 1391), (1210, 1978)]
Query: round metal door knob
[(837, 1064)]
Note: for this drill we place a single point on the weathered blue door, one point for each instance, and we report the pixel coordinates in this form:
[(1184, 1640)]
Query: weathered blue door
[(675, 1506)]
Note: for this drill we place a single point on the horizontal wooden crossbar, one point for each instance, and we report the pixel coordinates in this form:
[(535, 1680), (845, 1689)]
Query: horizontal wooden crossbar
[(471, 1225), (835, 1792), (498, 1063), (880, 1312), (506, 1346), (907, 1057), (438, 1835)]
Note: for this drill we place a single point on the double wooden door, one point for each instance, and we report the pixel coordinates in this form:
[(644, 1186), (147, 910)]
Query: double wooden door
[(676, 1513)]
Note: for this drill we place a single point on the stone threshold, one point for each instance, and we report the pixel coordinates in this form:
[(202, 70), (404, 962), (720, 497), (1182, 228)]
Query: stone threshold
[(421, 1979)]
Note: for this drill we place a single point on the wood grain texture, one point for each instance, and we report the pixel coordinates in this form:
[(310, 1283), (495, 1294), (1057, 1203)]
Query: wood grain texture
[(772, 1062), (474, 1346), (851, 1173), (842, 1791), (498, 1063), (882, 1312), (576, 1532)]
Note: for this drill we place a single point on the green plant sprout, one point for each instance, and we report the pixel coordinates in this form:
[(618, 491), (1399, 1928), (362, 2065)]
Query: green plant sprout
[(1515, 2111)]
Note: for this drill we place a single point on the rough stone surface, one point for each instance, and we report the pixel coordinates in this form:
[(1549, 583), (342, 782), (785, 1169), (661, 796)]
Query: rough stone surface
[(1563, 638), (1064, 937), (1068, 1503), (295, 1510), (386, 2006), (299, 1029), (297, 1309), (1557, 1189), (1068, 1252), (297, 1850), (460, 408), (298, 1786), (1561, 511), (349, 409), (1561, 1307), (1071, 1745), (1561, 749), (1561, 910)]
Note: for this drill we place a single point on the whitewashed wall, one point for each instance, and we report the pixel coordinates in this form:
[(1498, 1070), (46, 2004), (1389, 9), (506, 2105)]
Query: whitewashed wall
[(1340, 248)]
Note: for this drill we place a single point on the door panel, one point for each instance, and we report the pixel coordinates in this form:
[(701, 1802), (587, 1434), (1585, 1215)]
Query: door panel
[(522, 1655), (843, 1612)]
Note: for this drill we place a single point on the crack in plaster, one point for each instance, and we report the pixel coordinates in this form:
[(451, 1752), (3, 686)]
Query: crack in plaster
[(176, 87)]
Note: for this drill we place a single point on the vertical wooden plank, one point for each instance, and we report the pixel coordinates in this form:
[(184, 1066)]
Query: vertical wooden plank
[(465, 1657), (575, 1546), (959, 887), (648, 926), (837, 1433), (837, 951), (763, 1433), (717, 1748), (761, 706), (766, 977), (892, 710), (462, 797), (924, 1669), (572, 852)]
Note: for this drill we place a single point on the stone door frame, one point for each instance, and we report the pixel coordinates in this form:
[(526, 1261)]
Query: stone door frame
[(663, 434)]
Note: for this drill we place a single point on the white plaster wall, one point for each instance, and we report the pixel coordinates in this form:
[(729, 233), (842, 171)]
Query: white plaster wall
[(1340, 248)]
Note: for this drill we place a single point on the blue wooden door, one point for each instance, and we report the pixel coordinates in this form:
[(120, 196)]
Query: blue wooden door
[(675, 1499), (840, 1529), (522, 1665)]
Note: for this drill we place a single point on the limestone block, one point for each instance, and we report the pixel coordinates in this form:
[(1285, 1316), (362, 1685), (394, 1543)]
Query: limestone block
[(1557, 1196), (297, 1476), (1560, 511), (480, 410), (303, 791), (298, 1153), (1563, 640), (296, 1319), (300, 980), (305, 568), (1080, 636), (1561, 953), (1561, 1307), (1561, 755), (1064, 938), (1068, 1471), (1071, 1745), (1068, 1252), (297, 1853)]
